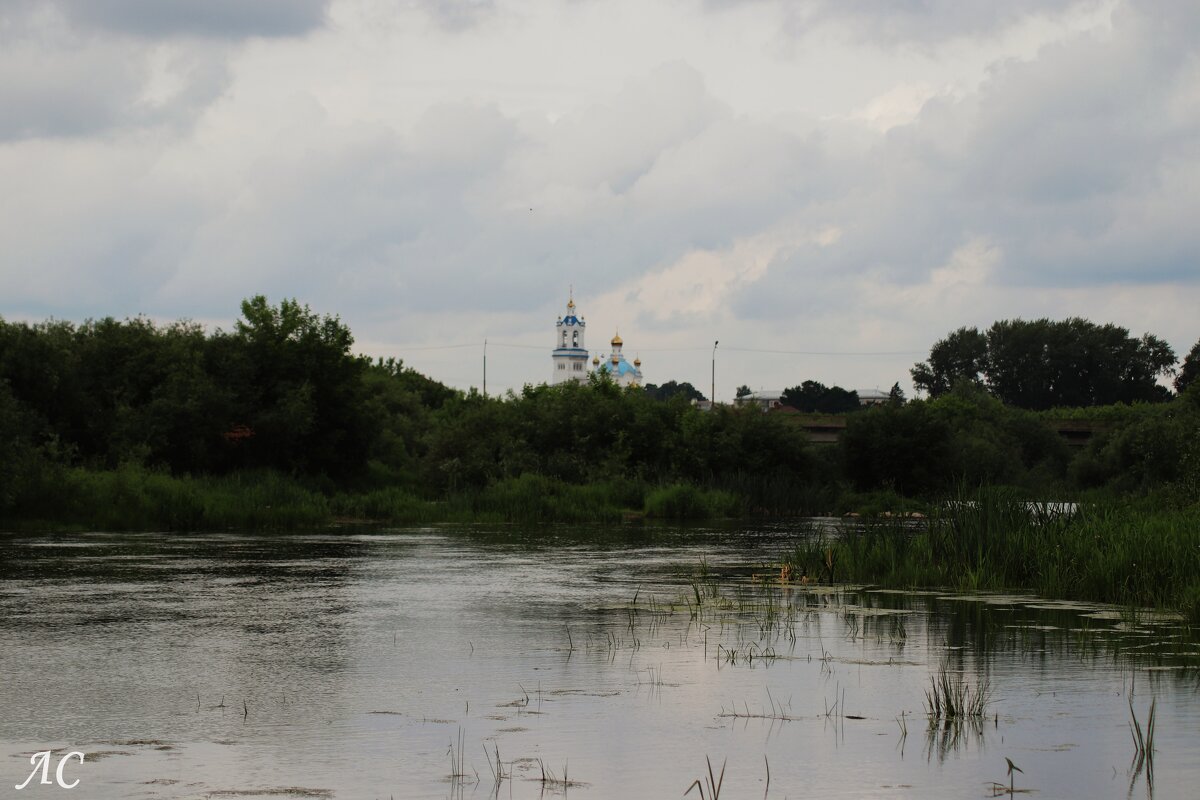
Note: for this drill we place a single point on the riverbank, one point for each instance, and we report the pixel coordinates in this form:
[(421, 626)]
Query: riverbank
[(137, 499), (1137, 552)]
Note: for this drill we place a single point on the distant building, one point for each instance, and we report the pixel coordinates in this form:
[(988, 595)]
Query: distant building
[(616, 367), (873, 397), (772, 399), (570, 356), (766, 400)]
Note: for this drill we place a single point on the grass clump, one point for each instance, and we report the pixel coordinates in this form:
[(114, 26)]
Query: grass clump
[(684, 501), (1143, 554), (949, 697)]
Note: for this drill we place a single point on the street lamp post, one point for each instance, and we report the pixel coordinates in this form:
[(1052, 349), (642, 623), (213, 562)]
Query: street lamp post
[(712, 398)]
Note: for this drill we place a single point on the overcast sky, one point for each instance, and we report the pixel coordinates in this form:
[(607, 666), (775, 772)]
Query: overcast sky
[(842, 182)]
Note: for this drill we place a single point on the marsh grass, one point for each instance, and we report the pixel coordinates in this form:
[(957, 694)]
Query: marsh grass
[(955, 712), (536, 498), (992, 539), (685, 501), (137, 498), (949, 697)]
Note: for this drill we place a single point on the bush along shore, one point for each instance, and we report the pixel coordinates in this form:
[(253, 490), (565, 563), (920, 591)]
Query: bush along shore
[(136, 498)]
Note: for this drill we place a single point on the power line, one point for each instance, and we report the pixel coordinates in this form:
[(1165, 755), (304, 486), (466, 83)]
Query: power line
[(683, 350), (441, 346), (829, 352)]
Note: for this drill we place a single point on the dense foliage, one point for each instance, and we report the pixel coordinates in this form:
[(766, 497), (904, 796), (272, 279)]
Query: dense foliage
[(1190, 369), (670, 389), (174, 426), (283, 392), (1041, 364), (814, 397)]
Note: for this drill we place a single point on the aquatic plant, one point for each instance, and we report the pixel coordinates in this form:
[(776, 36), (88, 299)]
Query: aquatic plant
[(998, 788), (1143, 741), (458, 770), (992, 539), (712, 784), (550, 779), (498, 772), (951, 698)]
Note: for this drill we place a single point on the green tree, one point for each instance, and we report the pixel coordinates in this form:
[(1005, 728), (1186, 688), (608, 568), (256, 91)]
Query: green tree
[(813, 397), (670, 389), (1190, 369), (743, 391), (961, 356), (1041, 364), (903, 448), (298, 391)]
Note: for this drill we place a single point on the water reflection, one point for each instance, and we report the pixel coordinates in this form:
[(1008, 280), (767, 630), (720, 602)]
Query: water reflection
[(598, 661)]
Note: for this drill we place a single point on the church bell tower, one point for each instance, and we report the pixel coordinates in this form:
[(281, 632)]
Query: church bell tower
[(570, 354)]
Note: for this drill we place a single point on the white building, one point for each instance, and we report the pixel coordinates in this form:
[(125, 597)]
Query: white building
[(570, 354), (617, 367), (765, 399), (873, 397)]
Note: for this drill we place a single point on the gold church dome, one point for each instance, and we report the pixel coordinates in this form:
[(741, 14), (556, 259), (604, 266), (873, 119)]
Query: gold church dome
[(595, 361), (637, 362), (616, 340)]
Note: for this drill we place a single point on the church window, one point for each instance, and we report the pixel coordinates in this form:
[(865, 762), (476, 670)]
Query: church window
[(564, 338), (575, 339), (562, 366), (578, 367)]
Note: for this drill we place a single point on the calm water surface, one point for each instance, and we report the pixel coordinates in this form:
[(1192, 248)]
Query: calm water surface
[(349, 665)]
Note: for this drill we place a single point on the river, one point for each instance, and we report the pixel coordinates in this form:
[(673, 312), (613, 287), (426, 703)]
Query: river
[(406, 663)]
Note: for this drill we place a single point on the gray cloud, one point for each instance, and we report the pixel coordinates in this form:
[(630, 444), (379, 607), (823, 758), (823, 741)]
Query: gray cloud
[(456, 15), (930, 20), (208, 18), (95, 86), (1075, 167), (907, 21)]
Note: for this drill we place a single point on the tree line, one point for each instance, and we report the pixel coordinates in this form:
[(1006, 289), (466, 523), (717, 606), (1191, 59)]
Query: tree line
[(283, 392), (1040, 364)]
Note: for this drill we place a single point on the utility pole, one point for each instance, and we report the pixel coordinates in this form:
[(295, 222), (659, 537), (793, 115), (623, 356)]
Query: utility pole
[(712, 398), (485, 367)]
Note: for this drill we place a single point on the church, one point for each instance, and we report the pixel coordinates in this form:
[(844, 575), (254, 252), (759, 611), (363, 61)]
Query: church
[(570, 355)]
